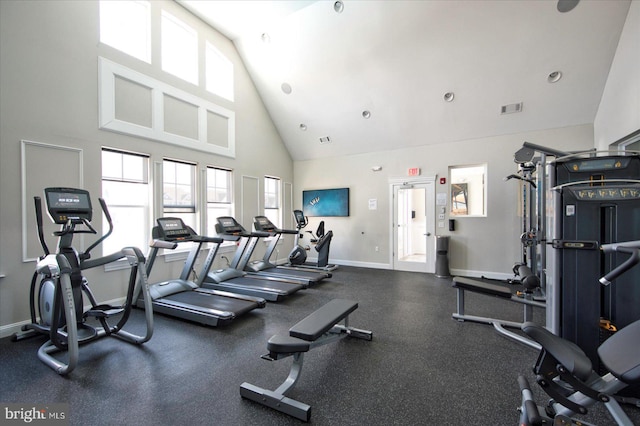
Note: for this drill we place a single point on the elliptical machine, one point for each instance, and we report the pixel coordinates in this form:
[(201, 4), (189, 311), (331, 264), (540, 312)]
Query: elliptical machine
[(322, 241), (56, 299)]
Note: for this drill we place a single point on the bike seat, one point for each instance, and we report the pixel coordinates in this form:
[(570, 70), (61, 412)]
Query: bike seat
[(565, 352), (619, 353)]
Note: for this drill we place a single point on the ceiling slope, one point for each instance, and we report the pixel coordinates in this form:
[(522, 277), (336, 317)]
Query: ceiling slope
[(397, 59)]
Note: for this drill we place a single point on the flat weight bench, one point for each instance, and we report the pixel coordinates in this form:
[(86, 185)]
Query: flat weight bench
[(467, 284), (319, 328)]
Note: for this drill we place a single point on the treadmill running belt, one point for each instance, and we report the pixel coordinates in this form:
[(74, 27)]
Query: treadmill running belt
[(213, 304)]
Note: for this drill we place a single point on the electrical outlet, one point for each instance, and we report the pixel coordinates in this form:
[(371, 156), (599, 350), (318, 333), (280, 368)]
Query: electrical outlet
[(440, 224), (377, 248), (441, 216)]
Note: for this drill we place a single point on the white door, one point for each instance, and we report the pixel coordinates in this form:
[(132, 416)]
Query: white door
[(413, 226)]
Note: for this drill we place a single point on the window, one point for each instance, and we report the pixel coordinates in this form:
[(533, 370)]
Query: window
[(272, 199), (468, 190), (630, 142), (219, 196), (219, 73), (178, 191), (126, 26), (179, 48), (125, 188)]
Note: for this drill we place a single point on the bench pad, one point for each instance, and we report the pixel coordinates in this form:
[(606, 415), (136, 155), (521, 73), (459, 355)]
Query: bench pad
[(282, 344), (323, 320), (482, 287)]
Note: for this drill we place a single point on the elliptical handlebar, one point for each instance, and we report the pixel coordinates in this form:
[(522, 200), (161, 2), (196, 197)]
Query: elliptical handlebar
[(105, 210), (38, 205)]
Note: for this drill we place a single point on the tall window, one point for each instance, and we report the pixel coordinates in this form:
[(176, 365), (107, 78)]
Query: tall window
[(179, 191), (219, 73), (126, 26), (125, 188), (179, 48), (272, 199), (219, 196)]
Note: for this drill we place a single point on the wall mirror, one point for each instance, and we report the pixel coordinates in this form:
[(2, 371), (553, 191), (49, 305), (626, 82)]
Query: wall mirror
[(468, 190)]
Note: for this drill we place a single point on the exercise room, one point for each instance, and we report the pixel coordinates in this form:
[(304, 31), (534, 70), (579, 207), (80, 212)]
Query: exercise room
[(335, 212)]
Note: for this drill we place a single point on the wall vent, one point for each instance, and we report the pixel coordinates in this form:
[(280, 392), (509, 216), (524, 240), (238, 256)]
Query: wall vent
[(325, 139), (511, 108)]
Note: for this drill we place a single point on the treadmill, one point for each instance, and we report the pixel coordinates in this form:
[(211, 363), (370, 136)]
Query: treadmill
[(264, 268), (183, 298), (236, 280)]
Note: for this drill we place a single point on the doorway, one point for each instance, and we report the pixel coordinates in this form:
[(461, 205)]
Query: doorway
[(413, 225)]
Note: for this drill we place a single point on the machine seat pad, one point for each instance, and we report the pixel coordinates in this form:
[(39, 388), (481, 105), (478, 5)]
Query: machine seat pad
[(619, 353), (283, 344), (565, 352), (323, 320), (482, 287)]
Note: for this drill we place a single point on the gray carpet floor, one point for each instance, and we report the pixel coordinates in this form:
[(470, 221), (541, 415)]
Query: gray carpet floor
[(421, 368)]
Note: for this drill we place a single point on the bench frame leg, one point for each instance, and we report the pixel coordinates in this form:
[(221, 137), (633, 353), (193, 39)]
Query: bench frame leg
[(500, 324), (278, 399)]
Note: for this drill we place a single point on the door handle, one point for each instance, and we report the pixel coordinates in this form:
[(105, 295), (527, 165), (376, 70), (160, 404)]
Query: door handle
[(428, 234)]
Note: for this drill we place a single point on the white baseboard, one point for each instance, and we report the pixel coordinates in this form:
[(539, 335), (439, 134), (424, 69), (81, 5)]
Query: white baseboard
[(10, 329), (359, 264)]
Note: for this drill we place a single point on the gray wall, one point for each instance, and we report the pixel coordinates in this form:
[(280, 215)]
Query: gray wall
[(479, 245), (49, 82)]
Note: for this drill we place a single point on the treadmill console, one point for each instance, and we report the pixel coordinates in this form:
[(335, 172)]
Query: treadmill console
[(173, 229), (68, 204), (228, 225), (262, 223)]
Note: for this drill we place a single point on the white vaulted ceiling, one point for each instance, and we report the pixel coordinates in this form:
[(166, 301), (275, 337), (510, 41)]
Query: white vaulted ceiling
[(397, 59)]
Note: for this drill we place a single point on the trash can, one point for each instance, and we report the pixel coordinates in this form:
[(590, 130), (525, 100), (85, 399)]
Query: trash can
[(442, 256)]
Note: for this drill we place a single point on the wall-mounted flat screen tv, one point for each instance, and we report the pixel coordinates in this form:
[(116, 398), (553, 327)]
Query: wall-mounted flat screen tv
[(326, 202)]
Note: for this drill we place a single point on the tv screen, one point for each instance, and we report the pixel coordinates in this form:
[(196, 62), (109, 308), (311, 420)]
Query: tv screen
[(326, 202)]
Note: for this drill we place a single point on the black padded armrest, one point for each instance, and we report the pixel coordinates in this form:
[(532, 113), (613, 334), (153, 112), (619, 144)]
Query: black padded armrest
[(322, 320), (288, 231), (482, 287), (156, 243), (205, 239)]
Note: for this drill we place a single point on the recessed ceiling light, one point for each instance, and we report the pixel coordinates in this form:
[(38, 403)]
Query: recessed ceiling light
[(366, 114), (554, 76), (338, 6), (303, 127), (286, 88), (448, 97), (567, 5)]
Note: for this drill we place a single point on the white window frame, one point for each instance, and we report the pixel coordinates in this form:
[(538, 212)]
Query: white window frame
[(228, 205), (147, 205), (277, 195)]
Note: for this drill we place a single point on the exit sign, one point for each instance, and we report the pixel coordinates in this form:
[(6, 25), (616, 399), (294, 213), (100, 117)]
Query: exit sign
[(414, 171)]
